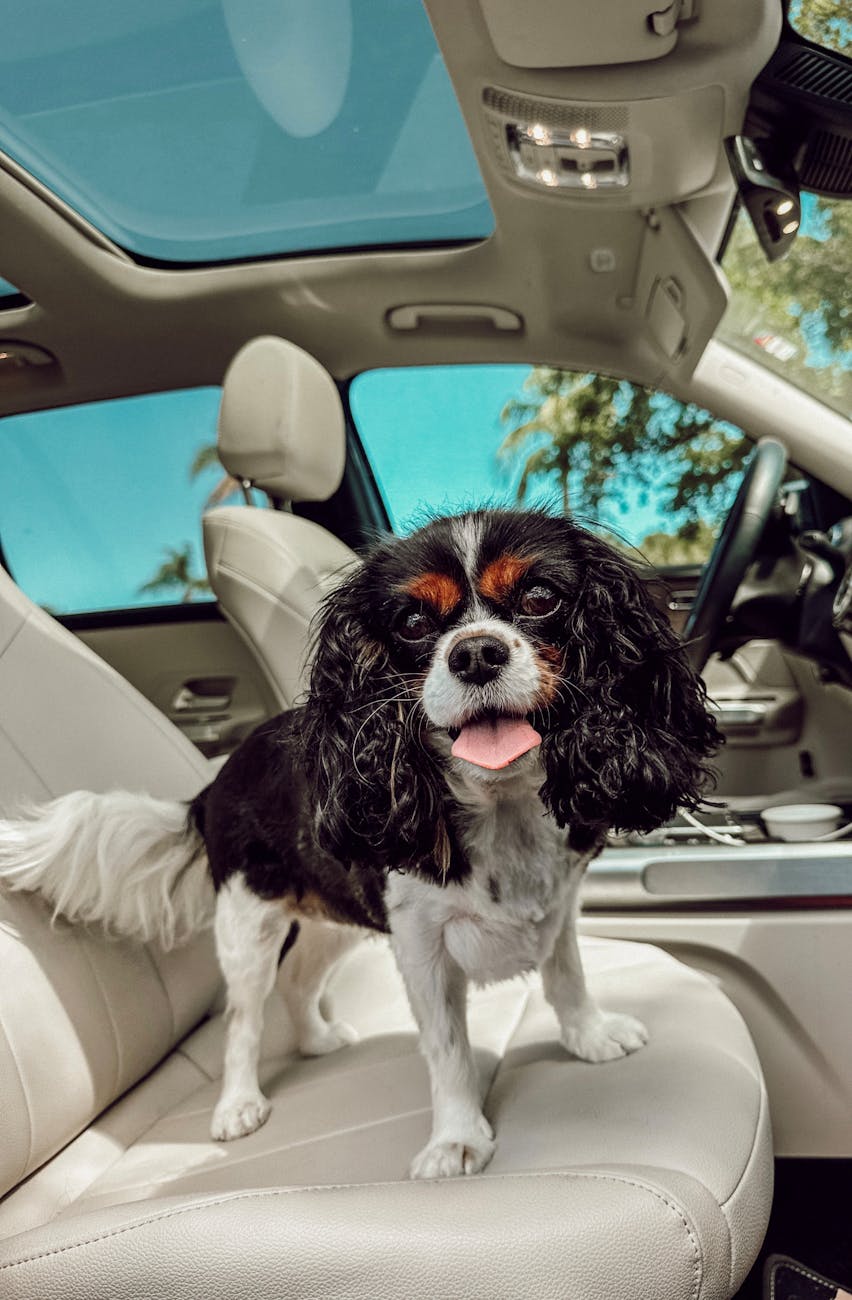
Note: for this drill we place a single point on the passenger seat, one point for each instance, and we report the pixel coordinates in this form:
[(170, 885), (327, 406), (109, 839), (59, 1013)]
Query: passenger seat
[(647, 1176), (281, 430)]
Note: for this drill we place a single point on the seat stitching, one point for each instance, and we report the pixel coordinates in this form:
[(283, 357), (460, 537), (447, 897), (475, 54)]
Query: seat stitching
[(251, 580), (342, 1187), (271, 1150), (19, 629), (282, 1063), (764, 1100), (19, 1072), (159, 975), (117, 1071), (22, 756), (507, 1042), (760, 1113)]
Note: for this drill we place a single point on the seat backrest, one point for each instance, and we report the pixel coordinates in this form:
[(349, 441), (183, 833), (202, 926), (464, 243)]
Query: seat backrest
[(282, 430), (82, 1017)]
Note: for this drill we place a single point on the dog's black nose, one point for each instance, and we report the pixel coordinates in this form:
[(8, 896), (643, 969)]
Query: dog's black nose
[(478, 659)]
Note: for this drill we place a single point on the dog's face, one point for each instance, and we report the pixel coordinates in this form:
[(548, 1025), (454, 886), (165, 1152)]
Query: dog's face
[(486, 641)]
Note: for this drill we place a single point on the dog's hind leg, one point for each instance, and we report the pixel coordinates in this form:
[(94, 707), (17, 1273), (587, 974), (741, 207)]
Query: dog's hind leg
[(305, 972), (249, 934)]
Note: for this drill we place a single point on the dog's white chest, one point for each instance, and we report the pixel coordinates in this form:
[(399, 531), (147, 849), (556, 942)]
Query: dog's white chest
[(487, 948), (505, 917)]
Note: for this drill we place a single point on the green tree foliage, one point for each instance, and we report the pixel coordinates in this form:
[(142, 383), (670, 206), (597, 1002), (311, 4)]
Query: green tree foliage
[(176, 572), (599, 439), (805, 299), (826, 22)]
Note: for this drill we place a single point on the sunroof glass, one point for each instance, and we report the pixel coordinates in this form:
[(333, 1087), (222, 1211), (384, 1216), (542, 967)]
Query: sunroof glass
[(205, 130)]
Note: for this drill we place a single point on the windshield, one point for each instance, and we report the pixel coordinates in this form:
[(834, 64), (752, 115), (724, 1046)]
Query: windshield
[(795, 315)]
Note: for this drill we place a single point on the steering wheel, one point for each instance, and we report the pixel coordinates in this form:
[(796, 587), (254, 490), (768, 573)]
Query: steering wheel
[(735, 549)]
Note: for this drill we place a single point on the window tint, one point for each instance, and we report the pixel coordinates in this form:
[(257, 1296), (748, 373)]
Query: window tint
[(644, 469), (100, 505)]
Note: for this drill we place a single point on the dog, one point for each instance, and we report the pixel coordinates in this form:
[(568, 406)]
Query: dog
[(488, 698)]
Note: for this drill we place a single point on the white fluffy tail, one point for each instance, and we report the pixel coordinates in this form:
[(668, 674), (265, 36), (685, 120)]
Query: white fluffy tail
[(128, 862)]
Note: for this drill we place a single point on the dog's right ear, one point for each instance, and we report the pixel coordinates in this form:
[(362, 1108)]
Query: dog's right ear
[(377, 793)]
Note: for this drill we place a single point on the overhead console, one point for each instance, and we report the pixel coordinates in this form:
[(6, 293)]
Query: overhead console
[(599, 130), (577, 34), (609, 150)]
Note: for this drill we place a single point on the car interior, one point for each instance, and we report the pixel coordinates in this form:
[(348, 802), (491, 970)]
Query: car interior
[(279, 280)]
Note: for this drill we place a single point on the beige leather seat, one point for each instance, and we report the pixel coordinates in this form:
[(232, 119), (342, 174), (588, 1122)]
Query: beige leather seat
[(649, 1176), (282, 430)]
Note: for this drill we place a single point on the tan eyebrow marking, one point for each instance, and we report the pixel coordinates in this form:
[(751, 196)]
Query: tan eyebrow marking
[(501, 575), (439, 590)]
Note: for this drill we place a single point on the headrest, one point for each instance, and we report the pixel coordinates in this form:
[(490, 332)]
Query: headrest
[(281, 423)]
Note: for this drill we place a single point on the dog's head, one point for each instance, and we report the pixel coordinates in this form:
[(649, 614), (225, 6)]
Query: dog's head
[(480, 646)]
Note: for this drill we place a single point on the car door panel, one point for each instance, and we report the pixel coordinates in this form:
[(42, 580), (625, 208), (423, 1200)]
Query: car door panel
[(198, 672)]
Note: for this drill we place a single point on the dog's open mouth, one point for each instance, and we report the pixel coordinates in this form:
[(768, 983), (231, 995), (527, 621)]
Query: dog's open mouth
[(494, 740)]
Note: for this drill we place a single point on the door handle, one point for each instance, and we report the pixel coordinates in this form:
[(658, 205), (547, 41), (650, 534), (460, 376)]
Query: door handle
[(203, 695)]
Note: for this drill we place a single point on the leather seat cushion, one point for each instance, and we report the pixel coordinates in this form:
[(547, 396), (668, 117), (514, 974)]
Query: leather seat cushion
[(662, 1158)]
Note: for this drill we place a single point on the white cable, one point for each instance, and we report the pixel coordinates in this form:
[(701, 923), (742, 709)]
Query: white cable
[(711, 831), (834, 835)]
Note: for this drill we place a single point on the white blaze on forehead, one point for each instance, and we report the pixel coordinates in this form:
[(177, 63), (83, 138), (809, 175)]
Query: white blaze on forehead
[(449, 702), (467, 537)]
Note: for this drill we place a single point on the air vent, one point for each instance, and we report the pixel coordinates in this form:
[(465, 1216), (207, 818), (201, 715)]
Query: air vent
[(827, 165), (802, 101), (812, 72)]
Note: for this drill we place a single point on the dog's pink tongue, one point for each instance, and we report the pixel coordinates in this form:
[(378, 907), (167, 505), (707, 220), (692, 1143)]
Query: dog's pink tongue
[(496, 742)]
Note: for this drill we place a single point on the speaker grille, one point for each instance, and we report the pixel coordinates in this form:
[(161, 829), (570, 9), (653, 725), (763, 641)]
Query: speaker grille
[(553, 112)]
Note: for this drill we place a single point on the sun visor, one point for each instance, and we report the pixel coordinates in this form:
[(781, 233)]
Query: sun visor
[(680, 293)]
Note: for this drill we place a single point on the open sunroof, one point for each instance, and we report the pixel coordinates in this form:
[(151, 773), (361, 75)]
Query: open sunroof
[(208, 130)]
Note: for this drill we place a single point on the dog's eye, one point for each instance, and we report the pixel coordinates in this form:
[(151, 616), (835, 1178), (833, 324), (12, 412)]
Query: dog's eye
[(415, 626), (539, 600)]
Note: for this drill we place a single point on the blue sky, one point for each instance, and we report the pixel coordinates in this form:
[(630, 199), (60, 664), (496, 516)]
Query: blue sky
[(432, 436), (92, 496)]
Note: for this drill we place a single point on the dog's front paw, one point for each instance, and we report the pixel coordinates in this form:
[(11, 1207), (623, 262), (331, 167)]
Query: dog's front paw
[(319, 1042), (603, 1036), (237, 1117), (451, 1158)]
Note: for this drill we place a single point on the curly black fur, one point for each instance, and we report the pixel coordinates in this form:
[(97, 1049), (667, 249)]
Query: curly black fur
[(630, 744), (378, 792), (626, 744)]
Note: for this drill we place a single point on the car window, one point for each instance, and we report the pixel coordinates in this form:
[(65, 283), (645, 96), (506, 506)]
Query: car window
[(646, 470), (100, 505), (792, 315)]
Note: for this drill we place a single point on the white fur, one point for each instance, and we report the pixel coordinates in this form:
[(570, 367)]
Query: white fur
[(443, 937), (448, 701), (249, 934), (467, 534), (124, 861)]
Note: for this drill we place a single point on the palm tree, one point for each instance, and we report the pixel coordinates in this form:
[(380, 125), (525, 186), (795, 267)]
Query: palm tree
[(176, 571), (573, 427), (206, 457), (602, 437)]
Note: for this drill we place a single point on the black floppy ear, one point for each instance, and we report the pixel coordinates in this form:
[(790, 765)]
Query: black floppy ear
[(635, 744), (376, 791)]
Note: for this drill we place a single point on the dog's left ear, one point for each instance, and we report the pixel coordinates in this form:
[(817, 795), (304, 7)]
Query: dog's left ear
[(635, 734), (376, 790)]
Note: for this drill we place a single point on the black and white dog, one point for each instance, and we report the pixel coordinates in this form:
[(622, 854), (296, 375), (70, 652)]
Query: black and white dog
[(488, 697)]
